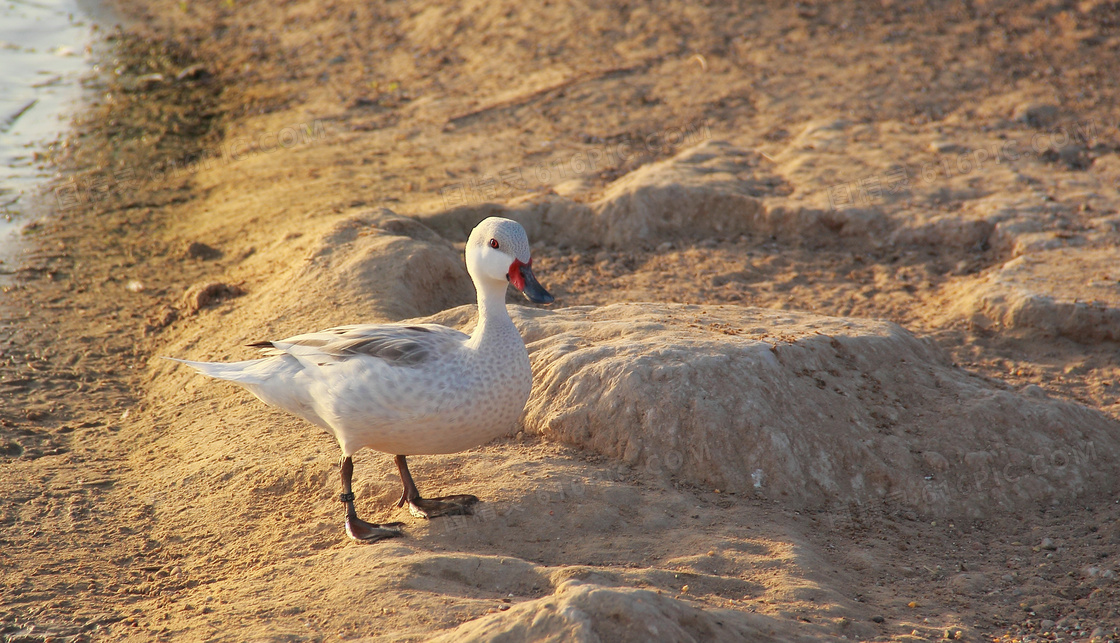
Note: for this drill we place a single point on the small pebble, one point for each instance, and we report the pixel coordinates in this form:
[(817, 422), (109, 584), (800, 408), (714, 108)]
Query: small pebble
[(945, 147), (194, 71), (148, 80), (1036, 114), (199, 250)]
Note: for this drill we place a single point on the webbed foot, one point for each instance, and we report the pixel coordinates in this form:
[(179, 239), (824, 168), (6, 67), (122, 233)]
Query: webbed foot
[(457, 505), (368, 532)]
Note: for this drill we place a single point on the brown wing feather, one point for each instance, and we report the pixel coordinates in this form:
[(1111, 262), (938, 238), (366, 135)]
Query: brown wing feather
[(397, 345)]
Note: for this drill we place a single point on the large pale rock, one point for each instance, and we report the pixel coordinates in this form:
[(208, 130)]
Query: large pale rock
[(1021, 223), (1071, 292), (812, 411), (588, 613), (945, 230), (710, 190), (375, 265)]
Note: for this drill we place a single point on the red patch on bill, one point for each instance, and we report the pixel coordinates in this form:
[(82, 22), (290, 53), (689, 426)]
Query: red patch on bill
[(514, 274)]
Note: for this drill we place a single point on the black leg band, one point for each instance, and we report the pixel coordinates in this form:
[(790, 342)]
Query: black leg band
[(346, 497)]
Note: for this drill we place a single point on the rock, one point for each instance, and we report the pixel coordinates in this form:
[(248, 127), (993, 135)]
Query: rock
[(1075, 157), (969, 584), (395, 266), (710, 191), (201, 296), (11, 449), (199, 250), (1048, 545), (807, 410), (593, 613), (935, 461), (1045, 611), (944, 231), (1019, 223), (1036, 114), (701, 192), (946, 147), (398, 263), (145, 81), (193, 72), (1069, 292)]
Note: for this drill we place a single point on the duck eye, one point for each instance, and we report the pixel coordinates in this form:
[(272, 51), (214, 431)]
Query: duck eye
[(494, 243)]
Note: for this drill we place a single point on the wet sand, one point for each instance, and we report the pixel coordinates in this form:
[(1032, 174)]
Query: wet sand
[(44, 52)]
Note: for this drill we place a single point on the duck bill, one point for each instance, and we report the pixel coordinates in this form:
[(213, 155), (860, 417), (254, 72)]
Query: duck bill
[(522, 278)]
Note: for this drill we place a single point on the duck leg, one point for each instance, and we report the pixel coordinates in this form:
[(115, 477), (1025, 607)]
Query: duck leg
[(457, 505), (357, 528)]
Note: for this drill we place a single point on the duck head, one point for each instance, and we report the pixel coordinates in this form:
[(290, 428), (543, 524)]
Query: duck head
[(498, 251)]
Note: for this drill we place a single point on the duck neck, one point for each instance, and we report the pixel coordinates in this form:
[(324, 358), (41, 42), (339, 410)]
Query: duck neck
[(492, 313)]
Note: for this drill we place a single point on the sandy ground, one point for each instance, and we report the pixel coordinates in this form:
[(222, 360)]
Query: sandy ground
[(951, 168)]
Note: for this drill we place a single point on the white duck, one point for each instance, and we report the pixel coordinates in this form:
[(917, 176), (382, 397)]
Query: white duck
[(409, 390)]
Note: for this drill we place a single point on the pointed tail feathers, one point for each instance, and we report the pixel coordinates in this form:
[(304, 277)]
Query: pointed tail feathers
[(242, 372)]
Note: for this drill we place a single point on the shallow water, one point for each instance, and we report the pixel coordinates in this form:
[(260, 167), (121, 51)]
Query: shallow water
[(45, 49)]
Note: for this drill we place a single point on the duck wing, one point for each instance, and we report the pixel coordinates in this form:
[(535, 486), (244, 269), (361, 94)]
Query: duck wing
[(395, 344)]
